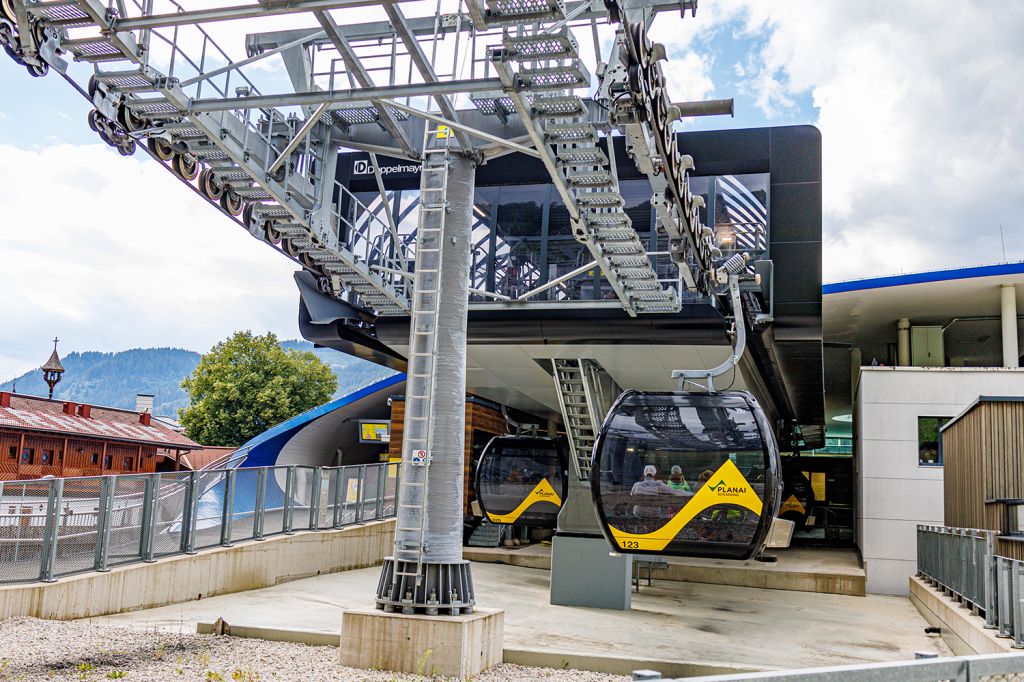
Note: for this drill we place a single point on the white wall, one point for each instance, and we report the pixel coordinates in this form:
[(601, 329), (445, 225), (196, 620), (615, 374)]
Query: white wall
[(894, 493)]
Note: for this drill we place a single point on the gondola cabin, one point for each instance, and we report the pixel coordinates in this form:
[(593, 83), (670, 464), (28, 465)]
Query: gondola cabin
[(522, 480), (684, 474)]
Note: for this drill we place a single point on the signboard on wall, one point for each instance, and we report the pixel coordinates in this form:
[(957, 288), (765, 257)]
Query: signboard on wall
[(375, 431)]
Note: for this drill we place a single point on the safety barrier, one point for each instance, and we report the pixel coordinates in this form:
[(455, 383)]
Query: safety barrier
[(962, 563), (987, 668), (62, 526)]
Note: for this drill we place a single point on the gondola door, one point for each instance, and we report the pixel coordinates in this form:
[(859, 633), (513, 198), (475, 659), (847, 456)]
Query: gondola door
[(683, 474), (522, 479)]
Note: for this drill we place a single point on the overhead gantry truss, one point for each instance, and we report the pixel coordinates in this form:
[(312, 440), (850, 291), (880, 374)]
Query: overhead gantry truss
[(503, 75)]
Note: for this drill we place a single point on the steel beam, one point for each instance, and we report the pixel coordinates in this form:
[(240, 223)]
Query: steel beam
[(297, 139), (513, 146), (362, 76), (314, 35), (251, 11), (426, 69), (345, 98)]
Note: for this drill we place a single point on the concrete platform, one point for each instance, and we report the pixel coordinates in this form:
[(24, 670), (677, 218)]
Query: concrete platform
[(460, 646), (680, 622), (803, 569), (963, 631)]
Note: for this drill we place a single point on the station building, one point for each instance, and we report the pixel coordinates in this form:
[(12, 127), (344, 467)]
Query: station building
[(903, 356), (43, 437)]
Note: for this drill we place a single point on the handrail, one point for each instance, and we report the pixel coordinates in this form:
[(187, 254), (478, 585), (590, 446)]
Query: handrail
[(196, 510)]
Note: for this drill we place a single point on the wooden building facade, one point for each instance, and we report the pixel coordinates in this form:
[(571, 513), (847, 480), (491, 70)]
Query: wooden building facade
[(41, 437), (483, 422), (983, 481)]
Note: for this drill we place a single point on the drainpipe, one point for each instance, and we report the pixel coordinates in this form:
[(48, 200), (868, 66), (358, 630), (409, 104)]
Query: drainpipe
[(903, 342), (1008, 311)]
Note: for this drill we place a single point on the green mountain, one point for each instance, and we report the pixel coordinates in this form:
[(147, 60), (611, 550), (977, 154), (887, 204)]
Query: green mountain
[(113, 379)]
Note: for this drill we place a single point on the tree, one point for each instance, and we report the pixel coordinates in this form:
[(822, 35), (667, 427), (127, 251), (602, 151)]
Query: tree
[(247, 384)]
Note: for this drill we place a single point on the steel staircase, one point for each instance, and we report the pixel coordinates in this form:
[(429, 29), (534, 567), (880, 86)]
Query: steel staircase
[(585, 394), (541, 91), (229, 154)]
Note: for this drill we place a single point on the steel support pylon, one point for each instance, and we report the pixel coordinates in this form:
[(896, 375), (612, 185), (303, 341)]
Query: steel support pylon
[(427, 573)]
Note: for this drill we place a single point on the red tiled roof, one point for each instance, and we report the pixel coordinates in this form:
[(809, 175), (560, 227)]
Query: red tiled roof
[(197, 459), (31, 413)]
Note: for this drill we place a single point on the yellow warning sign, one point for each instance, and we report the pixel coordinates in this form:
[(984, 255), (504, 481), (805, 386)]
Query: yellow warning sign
[(726, 486), (791, 504), (443, 132), (543, 492)]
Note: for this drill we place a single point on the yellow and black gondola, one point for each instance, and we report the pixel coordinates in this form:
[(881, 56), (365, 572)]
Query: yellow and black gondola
[(686, 474), (522, 479)]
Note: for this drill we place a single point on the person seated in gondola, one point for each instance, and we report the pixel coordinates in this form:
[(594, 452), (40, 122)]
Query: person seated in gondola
[(676, 479), (650, 485)]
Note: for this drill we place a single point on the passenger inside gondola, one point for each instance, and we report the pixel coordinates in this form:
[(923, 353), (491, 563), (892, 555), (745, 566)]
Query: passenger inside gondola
[(650, 485)]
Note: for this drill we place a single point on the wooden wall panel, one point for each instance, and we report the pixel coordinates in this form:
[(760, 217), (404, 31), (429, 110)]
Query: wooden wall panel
[(478, 418), (983, 457)]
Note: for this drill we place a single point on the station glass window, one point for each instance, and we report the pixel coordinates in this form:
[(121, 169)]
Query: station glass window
[(12, 452), (1015, 518), (929, 441), (28, 455), (47, 456), (95, 458), (127, 464), (107, 461)]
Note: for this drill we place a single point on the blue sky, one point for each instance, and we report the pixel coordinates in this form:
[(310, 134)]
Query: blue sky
[(918, 103)]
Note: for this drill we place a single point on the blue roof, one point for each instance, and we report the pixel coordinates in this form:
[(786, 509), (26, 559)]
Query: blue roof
[(922, 277), (264, 448)]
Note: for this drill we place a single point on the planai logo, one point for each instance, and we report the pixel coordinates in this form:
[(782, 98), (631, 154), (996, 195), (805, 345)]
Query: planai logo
[(364, 167), (725, 490)]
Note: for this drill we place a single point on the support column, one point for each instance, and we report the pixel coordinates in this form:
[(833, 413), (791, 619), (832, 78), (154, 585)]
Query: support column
[(1008, 312), (427, 572), (903, 342), (856, 360)]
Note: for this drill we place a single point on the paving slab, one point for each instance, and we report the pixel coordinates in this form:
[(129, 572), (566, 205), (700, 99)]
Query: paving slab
[(676, 621), (805, 569)]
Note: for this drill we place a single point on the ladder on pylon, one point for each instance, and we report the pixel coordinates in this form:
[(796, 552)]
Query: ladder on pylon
[(422, 356), (585, 394)]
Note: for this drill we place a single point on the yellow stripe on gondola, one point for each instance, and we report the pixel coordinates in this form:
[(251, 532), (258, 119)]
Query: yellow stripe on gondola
[(542, 492), (727, 486)]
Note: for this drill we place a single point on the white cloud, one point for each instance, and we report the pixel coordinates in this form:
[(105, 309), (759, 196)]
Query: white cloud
[(111, 253), (687, 77), (919, 106)]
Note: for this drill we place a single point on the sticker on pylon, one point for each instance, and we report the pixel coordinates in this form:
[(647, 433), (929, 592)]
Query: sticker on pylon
[(419, 458), (443, 132)]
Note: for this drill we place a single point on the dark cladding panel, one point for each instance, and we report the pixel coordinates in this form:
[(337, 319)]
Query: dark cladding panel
[(795, 154), (796, 212), (728, 152), (797, 272)]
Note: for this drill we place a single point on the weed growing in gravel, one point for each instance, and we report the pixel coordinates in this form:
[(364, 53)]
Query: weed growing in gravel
[(84, 670), (117, 675), (421, 662), (245, 676)]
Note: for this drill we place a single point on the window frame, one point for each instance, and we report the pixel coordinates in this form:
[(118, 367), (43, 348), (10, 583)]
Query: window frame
[(940, 422)]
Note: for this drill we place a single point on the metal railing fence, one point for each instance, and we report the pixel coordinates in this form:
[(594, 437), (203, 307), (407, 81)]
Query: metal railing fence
[(962, 563), (62, 526), (985, 668)]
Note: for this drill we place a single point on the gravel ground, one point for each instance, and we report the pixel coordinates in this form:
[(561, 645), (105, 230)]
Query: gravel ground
[(32, 649)]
